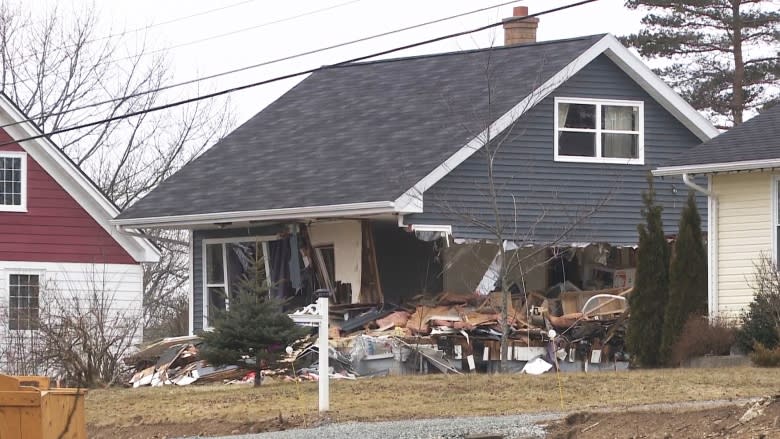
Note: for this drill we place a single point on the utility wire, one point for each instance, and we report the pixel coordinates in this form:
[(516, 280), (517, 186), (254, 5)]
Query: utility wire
[(201, 40), (237, 31), (292, 75), (142, 28), (261, 64)]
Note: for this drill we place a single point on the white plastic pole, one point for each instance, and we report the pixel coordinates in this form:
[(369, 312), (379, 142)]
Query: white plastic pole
[(324, 366)]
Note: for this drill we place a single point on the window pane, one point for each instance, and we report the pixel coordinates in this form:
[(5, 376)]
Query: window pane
[(10, 181), (23, 301), (576, 116), (245, 261), (216, 300), (577, 144), (620, 118), (215, 273), (625, 146)]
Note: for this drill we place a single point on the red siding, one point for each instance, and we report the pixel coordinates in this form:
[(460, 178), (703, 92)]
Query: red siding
[(55, 227)]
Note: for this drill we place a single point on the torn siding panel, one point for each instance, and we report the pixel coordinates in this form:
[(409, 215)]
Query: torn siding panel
[(544, 197)]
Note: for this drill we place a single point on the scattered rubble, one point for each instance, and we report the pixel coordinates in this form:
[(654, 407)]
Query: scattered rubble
[(564, 329)]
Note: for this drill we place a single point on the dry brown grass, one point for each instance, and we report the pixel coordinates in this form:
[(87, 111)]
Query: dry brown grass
[(422, 396)]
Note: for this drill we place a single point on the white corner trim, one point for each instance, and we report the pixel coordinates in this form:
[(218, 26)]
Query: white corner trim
[(622, 57), (328, 211), (774, 192), (22, 207), (51, 158), (712, 250), (191, 281), (709, 168)]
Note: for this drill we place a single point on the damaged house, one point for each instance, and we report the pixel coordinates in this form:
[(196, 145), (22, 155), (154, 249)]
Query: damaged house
[(371, 179)]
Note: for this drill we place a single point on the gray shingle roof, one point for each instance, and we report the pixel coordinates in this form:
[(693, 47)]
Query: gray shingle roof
[(756, 139), (358, 133)]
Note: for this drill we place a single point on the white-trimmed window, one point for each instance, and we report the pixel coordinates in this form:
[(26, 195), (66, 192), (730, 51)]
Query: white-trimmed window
[(599, 131), (23, 301), (225, 263), (13, 181)]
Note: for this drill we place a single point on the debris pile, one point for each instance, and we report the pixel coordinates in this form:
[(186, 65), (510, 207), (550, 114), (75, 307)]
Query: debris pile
[(564, 329), (176, 361)]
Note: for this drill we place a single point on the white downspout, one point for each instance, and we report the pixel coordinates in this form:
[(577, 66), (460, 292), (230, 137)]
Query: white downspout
[(712, 242)]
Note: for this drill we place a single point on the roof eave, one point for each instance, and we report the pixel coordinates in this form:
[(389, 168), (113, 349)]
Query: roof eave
[(291, 214), (710, 168)]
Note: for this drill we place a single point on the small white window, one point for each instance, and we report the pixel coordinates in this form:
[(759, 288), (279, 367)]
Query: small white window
[(13, 181), (23, 306), (599, 131)]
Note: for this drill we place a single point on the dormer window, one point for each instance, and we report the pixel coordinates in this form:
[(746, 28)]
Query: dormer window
[(13, 181), (599, 131)]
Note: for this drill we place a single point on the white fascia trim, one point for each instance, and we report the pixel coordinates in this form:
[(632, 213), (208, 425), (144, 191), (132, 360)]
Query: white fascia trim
[(63, 171), (412, 200), (447, 229), (634, 67), (292, 213), (748, 165)]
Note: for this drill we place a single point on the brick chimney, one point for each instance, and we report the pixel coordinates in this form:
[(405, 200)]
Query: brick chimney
[(521, 31)]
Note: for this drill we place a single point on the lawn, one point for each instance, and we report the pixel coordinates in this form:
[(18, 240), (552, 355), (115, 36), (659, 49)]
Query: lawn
[(228, 409)]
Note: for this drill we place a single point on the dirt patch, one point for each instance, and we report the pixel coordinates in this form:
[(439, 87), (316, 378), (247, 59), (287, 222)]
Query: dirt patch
[(755, 420), (214, 427), (166, 412)]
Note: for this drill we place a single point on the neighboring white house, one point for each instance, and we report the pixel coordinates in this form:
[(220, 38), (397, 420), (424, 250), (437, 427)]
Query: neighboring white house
[(55, 230), (743, 171)]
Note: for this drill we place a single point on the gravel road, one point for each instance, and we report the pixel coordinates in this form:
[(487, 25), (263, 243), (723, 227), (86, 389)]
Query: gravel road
[(509, 427), (514, 426)]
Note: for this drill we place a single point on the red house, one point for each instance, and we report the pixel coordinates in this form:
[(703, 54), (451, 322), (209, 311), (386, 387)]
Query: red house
[(55, 230)]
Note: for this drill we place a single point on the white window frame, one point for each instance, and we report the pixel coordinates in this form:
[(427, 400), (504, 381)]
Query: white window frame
[(263, 239), (23, 206), (640, 160), (6, 299)]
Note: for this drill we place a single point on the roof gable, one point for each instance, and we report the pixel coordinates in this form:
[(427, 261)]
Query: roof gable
[(70, 178), (379, 132)]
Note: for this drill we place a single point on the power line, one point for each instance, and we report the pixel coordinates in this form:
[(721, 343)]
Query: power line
[(293, 75), (143, 28), (238, 31), (261, 64), (201, 40)]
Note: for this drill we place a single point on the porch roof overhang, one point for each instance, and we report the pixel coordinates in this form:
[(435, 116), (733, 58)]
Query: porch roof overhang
[(289, 214), (711, 168)]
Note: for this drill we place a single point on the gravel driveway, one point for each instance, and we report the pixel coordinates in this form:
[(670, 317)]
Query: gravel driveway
[(514, 426)]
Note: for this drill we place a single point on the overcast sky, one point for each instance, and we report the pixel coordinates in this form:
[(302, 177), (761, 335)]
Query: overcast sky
[(245, 32)]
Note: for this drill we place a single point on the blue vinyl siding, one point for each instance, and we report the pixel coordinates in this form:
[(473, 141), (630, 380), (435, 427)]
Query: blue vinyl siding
[(539, 199)]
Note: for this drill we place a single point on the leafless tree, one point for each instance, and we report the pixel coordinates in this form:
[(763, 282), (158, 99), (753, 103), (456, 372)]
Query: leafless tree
[(62, 70), (529, 250), (77, 330)]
